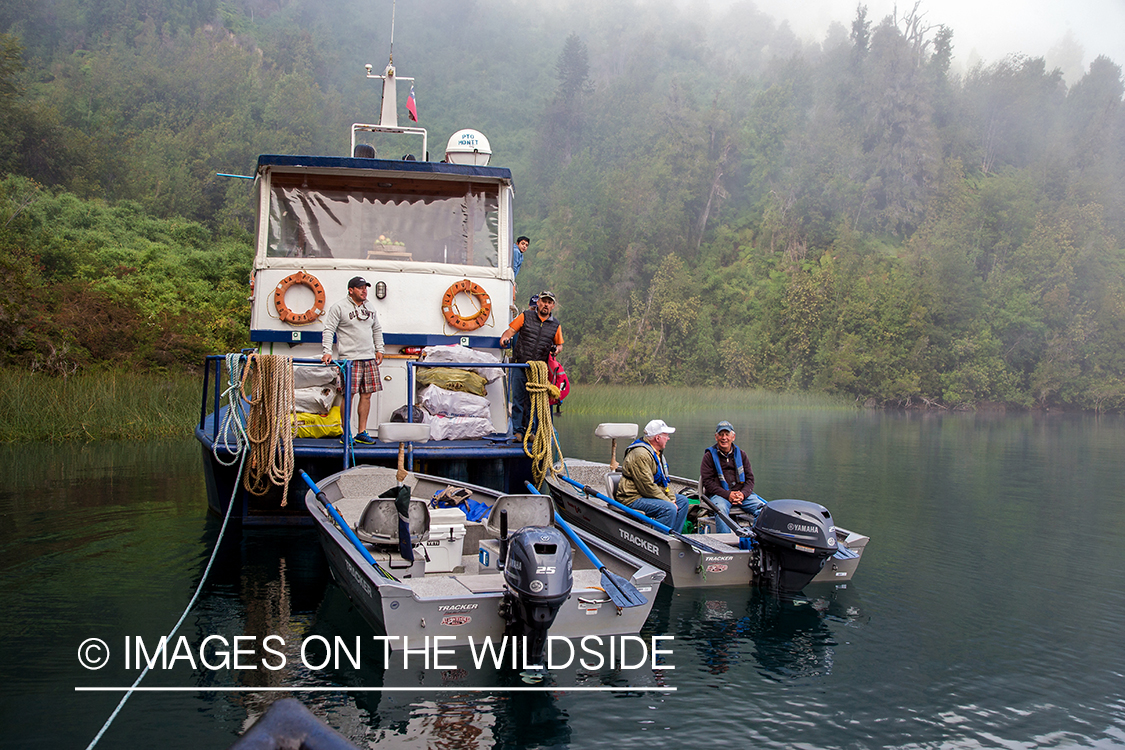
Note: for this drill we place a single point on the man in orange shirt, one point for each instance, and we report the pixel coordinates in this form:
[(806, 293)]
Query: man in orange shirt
[(540, 335)]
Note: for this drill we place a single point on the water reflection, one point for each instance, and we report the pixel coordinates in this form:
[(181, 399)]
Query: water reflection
[(988, 610), (737, 628)]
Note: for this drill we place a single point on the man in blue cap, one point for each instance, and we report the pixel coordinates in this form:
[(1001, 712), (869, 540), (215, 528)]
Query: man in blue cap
[(727, 477)]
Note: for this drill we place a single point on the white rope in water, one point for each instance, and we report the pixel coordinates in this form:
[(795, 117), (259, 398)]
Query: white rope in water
[(232, 421), (198, 589)]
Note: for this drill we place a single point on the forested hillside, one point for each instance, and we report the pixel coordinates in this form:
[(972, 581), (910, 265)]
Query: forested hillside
[(715, 201)]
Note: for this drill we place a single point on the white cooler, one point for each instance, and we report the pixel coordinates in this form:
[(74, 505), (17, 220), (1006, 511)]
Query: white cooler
[(447, 538)]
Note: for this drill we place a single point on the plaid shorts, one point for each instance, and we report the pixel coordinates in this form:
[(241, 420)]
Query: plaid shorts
[(365, 376)]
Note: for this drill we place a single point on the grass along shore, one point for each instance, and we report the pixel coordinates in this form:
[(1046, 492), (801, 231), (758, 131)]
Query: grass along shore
[(122, 405), (113, 405)]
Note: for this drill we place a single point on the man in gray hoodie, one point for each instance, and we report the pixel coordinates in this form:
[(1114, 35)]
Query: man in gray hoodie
[(359, 337)]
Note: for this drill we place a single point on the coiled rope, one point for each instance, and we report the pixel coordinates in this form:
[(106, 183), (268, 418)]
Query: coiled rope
[(543, 440), (270, 428), (232, 423)]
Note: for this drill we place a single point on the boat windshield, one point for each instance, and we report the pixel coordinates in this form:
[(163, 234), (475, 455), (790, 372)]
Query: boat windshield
[(415, 220)]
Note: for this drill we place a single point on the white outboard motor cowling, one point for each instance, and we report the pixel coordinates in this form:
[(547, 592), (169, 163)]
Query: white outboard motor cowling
[(795, 538)]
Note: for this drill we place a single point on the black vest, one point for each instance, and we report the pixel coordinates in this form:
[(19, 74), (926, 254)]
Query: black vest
[(536, 337)]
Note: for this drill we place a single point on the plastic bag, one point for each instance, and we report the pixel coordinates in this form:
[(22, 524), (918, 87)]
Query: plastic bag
[(462, 354), (437, 400), (307, 376), (459, 428), (315, 400)]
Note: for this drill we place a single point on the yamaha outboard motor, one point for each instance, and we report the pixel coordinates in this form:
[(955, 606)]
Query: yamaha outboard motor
[(795, 538), (538, 573)]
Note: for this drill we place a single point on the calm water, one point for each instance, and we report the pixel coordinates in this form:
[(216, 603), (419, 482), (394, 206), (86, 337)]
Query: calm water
[(989, 609)]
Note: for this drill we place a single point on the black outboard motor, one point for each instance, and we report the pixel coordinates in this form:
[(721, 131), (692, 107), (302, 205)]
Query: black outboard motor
[(538, 572), (795, 539)]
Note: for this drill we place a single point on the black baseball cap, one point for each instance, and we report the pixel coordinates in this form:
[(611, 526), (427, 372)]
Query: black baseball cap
[(358, 281)]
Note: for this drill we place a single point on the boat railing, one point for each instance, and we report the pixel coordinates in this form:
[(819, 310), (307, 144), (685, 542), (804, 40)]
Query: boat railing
[(213, 393)]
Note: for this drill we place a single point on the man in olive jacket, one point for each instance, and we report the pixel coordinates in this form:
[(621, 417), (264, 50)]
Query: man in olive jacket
[(645, 478)]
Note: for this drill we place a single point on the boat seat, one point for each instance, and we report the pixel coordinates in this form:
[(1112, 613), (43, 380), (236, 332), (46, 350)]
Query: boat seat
[(523, 510), (378, 524), (612, 479)]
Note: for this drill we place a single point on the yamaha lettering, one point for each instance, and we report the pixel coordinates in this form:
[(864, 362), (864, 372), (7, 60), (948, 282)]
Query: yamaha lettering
[(803, 528)]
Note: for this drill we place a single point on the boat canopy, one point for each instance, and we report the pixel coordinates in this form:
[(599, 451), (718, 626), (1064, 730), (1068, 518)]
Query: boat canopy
[(381, 210)]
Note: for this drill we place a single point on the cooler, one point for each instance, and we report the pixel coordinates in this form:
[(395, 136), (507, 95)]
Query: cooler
[(447, 538)]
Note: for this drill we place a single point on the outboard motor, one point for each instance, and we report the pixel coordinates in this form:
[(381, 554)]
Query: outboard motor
[(538, 573), (795, 538)]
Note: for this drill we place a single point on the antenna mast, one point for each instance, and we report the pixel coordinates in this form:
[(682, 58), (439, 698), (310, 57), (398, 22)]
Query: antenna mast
[(394, 4)]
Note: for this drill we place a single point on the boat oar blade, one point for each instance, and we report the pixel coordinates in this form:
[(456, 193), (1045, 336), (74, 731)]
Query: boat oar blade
[(619, 590)]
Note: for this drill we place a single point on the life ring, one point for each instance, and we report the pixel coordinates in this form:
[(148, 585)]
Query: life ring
[(466, 322), (308, 316)]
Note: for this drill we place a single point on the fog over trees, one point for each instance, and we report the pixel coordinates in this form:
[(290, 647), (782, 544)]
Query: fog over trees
[(714, 200)]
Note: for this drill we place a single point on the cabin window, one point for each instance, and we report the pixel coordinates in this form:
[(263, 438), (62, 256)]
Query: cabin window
[(424, 221)]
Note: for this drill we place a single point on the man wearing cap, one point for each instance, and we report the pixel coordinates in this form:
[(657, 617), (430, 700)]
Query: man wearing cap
[(359, 337), (645, 478), (539, 335), (727, 477)]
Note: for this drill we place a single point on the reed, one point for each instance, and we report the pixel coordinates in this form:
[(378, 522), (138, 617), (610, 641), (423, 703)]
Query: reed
[(113, 405), (624, 400)]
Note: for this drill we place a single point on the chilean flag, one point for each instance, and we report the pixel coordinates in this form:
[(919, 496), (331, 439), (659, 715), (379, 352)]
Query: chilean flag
[(411, 107)]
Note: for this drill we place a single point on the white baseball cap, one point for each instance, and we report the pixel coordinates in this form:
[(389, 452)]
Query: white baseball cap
[(658, 427)]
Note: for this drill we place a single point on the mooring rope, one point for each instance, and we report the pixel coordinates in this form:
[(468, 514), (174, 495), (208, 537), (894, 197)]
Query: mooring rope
[(231, 424), (270, 428), (540, 391), (187, 609)]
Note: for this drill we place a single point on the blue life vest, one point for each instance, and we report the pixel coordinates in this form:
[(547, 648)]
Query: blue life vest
[(738, 460), (661, 475)]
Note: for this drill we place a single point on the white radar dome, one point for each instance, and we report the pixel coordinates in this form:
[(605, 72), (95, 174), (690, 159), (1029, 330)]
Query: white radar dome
[(468, 147)]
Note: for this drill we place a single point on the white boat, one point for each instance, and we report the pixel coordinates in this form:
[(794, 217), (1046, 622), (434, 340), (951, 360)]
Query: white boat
[(434, 238), (792, 543), (462, 583)]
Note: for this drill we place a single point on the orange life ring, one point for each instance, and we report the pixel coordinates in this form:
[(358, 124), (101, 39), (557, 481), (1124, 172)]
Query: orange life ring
[(466, 322), (308, 316)]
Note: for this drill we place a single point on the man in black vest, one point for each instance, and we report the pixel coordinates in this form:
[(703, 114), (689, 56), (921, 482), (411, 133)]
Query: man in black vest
[(540, 334)]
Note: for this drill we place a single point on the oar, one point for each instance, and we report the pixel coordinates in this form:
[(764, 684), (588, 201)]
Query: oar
[(403, 433), (640, 516), (401, 494), (742, 531), (621, 592), (320, 496)]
